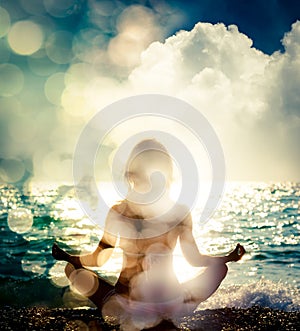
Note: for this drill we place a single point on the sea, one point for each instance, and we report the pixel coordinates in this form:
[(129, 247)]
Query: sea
[(264, 217)]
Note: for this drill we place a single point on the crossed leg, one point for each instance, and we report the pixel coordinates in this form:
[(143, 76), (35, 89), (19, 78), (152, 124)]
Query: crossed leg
[(195, 291), (103, 295), (89, 284), (202, 286)]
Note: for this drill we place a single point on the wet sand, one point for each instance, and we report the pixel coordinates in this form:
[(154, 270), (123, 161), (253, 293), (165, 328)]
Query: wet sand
[(255, 318)]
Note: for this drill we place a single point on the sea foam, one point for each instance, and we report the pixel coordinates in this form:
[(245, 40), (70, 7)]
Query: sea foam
[(263, 293)]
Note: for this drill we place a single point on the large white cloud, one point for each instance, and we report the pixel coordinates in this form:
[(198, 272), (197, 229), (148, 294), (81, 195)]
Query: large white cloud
[(251, 98)]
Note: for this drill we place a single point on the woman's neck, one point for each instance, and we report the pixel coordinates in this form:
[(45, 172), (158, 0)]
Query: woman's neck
[(153, 209)]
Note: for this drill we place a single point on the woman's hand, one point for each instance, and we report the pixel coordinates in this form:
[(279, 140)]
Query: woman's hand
[(237, 254), (59, 254)]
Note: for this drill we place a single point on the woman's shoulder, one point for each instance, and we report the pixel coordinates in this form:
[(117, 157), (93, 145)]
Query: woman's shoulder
[(176, 211), (179, 213), (181, 209), (119, 207), (122, 208)]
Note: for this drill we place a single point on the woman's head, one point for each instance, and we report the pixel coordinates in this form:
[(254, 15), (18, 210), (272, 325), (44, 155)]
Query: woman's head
[(147, 158)]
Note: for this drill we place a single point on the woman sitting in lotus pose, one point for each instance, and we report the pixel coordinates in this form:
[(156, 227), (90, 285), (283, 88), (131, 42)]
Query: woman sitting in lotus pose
[(148, 224)]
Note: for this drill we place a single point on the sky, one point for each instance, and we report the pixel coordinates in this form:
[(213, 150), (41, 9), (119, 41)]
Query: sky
[(235, 61)]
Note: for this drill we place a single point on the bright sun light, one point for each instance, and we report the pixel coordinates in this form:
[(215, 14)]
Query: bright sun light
[(183, 270)]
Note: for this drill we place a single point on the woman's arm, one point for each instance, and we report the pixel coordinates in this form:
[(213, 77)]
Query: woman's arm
[(191, 252), (93, 259)]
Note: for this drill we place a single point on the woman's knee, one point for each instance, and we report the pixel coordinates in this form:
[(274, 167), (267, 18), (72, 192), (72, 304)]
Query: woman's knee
[(217, 273), (83, 281), (69, 269), (223, 269)]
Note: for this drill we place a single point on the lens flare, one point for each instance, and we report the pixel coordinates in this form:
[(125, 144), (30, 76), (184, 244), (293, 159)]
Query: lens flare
[(25, 37)]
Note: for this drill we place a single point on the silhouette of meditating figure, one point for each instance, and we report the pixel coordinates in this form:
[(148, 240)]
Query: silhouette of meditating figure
[(148, 224)]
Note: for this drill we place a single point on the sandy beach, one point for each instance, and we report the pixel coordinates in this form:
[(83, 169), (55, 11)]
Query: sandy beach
[(255, 318)]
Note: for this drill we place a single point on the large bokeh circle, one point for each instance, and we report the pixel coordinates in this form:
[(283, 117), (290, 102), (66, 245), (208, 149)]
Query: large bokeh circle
[(160, 106)]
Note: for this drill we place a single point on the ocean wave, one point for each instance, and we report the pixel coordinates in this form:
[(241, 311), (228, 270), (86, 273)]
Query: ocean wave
[(263, 293)]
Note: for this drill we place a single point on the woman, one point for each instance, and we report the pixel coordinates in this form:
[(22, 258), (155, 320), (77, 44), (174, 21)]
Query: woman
[(149, 224)]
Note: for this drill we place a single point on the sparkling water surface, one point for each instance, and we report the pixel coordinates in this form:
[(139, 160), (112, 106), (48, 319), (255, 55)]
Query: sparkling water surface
[(263, 217)]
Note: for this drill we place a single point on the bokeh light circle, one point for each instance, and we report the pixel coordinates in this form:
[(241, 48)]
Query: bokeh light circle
[(11, 170), (54, 87), (4, 22), (61, 8), (4, 51), (25, 37), (83, 282), (57, 274), (32, 262), (12, 79), (160, 106), (20, 220), (34, 7), (59, 47)]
